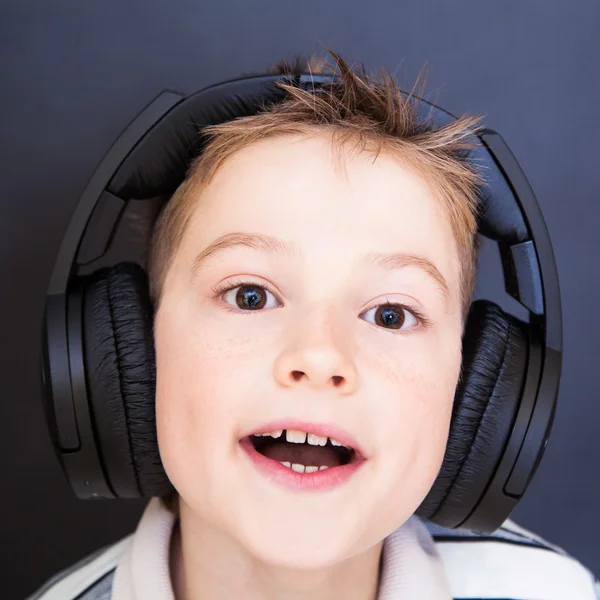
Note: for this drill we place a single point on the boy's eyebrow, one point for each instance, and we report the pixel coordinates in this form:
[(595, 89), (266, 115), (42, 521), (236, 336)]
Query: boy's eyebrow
[(274, 245)]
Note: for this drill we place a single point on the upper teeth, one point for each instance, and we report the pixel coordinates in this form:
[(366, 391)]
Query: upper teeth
[(299, 437), (274, 434)]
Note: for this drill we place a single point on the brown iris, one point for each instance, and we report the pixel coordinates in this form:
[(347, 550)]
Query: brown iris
[(390, 315), (250, 297)]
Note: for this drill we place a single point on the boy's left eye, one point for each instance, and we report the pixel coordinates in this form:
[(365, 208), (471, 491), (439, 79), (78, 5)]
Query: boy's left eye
[(251, 298), (393, 316)]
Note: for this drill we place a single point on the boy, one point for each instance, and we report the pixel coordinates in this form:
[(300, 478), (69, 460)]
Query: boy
[(311, 279)]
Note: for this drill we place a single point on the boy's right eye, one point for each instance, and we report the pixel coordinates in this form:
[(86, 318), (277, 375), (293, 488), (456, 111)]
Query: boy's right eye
[(250, 297)]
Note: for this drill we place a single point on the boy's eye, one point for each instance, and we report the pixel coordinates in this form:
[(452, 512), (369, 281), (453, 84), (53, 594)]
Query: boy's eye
[(393, 316), (250, 297)]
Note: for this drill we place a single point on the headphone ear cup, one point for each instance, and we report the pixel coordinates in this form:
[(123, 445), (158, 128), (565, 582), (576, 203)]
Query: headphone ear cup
[(488, 395), (120, 369)]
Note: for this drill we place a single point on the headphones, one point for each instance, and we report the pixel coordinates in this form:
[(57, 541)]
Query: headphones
[(97, 355)]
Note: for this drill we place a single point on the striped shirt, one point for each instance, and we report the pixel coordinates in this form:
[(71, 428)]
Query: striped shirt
[(421, 561)]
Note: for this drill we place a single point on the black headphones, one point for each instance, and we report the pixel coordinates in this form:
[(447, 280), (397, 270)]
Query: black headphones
[(98, 363)]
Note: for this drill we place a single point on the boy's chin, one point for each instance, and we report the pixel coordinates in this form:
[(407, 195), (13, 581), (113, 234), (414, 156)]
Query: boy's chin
[(298, 545), (299, 556)]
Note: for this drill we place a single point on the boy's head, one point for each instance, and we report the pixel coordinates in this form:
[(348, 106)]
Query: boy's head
[(273, 300)]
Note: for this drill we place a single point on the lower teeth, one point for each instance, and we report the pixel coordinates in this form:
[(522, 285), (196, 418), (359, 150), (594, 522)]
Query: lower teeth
[(301, 468)]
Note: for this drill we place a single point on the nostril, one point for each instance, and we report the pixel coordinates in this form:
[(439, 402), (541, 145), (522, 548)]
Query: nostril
[(337, 379)]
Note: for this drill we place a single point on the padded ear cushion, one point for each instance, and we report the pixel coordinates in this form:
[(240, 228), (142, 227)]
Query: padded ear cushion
[(495, 355), (121, 379)]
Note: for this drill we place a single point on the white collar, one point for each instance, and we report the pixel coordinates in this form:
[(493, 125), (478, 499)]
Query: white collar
[(412, 567)]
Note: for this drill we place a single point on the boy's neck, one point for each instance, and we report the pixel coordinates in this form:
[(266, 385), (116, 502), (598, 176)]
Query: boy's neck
[(203, 569)]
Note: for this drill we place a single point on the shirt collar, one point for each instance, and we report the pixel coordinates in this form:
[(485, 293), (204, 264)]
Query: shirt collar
[(411, 565)]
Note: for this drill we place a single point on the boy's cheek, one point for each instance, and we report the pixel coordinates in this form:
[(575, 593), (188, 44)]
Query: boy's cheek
[(195, 441), (414, 422), (409, 462), (193, 406), (416, 429)]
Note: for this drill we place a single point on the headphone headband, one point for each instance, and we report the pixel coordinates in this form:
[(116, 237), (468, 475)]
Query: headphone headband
[(150, 159)]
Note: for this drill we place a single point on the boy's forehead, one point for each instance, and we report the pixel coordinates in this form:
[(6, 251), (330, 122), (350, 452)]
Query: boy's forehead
[(314, 169), (302, 155), (303, 190)]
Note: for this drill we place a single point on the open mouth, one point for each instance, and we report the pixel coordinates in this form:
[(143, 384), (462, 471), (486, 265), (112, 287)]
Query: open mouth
[(303, 452)]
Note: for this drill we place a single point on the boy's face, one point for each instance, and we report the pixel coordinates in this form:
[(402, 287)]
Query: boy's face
[(320, 349)]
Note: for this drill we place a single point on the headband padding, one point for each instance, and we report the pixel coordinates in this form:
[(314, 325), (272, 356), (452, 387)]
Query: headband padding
[(121, 376), (495, 354), (158, 163)]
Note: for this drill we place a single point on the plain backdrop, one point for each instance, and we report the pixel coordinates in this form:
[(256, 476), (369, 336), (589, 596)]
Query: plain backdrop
[(74, 74)]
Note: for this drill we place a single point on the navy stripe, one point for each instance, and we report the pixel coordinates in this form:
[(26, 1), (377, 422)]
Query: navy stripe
[(525, 537), (101, 589), (475, 540)]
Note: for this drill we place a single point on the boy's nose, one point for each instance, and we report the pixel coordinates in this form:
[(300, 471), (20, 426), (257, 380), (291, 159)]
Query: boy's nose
[(317, 367)]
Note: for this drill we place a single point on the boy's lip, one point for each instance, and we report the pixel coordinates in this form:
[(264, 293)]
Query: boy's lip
[(330, 430)]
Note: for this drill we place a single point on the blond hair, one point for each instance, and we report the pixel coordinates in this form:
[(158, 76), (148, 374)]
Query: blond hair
[(360, 107)]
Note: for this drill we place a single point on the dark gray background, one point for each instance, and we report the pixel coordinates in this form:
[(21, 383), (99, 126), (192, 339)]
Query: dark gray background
[(75, 73)]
